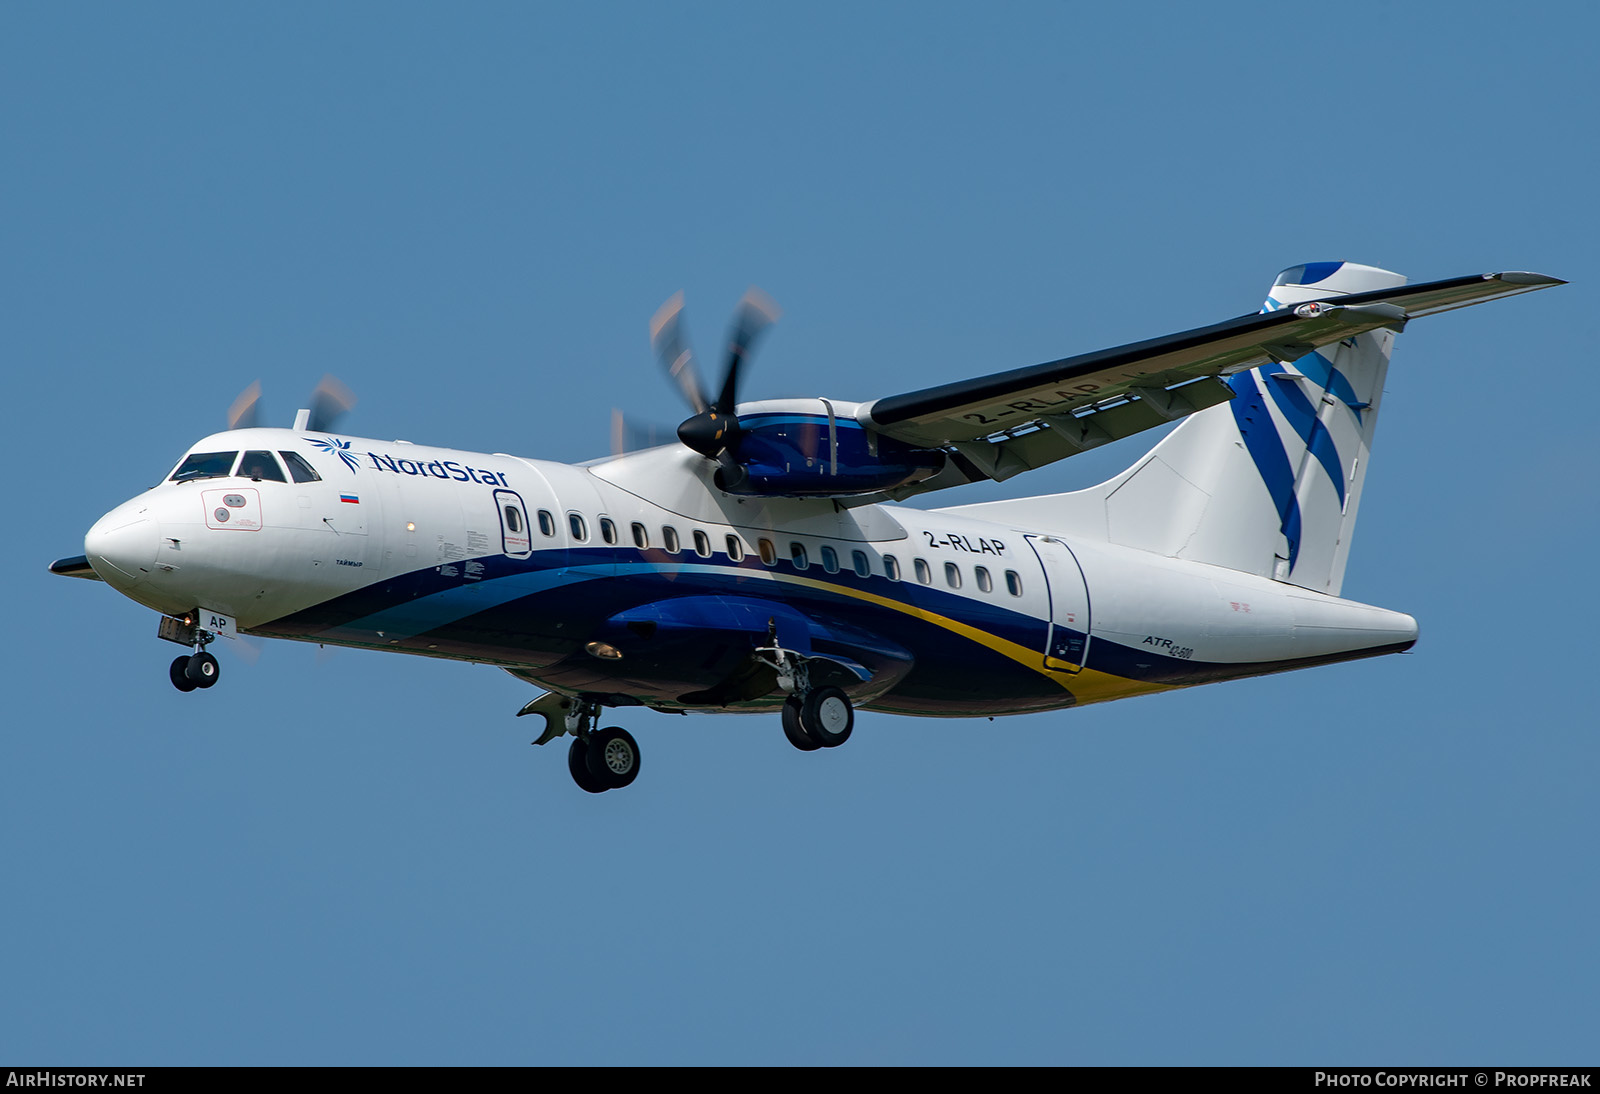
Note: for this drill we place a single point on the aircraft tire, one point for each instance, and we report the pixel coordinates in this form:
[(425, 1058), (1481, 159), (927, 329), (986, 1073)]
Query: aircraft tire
[(179, 672), (828, 717), (794, 730), (203, 670), (578, 766), (613, 757)]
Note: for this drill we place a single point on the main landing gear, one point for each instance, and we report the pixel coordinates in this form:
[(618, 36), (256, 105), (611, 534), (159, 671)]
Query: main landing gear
[(598, 759), (821, 718), (813, 717), (607, 760)]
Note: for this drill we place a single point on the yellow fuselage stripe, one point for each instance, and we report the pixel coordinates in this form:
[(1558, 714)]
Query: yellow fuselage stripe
[(1086, 686)]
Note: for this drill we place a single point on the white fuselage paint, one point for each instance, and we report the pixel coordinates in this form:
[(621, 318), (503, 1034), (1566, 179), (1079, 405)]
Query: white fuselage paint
[(419, 507)]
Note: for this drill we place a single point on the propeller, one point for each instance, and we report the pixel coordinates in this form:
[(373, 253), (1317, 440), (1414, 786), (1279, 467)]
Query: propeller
[(329, 402), (632, 436), (245, 413), (713, 429)]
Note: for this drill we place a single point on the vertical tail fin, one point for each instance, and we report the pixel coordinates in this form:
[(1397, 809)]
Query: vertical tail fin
[(1329, 400), (1269, 482)]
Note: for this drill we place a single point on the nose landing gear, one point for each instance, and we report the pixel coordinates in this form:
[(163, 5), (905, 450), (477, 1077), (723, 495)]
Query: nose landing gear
[(197, 670)]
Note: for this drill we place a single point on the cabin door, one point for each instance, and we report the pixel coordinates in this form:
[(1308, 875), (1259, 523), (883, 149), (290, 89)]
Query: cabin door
[(1067, 642)]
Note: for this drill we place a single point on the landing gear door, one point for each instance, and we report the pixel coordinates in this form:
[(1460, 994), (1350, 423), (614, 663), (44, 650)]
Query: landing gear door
[(515, 537), (1067, 644)]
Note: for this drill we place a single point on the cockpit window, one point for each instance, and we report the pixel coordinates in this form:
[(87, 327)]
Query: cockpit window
[(299, 469), (260, 465), (204, 465)]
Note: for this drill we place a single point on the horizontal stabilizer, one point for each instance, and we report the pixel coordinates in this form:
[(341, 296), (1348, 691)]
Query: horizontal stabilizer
[(1009, 422), (1268, 480)]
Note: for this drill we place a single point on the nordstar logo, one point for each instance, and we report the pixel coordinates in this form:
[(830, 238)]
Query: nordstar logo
[(438, 469), (338, 448)]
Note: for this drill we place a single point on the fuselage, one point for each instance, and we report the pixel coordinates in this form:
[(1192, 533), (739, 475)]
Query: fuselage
[(636, 581)]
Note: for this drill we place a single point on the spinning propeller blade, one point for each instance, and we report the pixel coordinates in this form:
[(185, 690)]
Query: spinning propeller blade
[(671, 347), (756, 313), (245, 413), (713, 430), (630, 436), (329, 402)]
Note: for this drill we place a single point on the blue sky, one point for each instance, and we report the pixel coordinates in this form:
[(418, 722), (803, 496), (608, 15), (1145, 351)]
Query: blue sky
[(469, 214)]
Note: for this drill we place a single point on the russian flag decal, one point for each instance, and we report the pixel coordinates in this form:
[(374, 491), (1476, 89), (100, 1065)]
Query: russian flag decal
[(351, 498)]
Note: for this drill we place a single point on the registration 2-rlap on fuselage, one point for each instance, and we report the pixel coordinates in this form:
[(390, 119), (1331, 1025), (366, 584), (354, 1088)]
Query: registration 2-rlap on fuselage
[(760, 563)]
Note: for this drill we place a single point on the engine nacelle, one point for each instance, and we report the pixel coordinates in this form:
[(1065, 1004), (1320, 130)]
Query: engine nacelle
[(816, 448)]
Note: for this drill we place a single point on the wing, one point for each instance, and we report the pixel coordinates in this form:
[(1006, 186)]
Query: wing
[(1013, 421), (77, 566)]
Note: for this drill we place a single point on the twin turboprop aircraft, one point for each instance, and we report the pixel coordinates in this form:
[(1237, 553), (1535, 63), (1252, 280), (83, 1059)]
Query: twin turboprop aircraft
[(759, 564)]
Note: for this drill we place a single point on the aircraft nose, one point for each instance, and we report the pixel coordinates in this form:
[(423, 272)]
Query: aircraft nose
[(122, 546)]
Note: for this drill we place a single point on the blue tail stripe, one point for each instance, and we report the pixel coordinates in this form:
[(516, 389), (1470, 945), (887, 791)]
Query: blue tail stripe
[(1327, 454), (1320, 369), (1302, 416), (1261, 440), (1313, 272)]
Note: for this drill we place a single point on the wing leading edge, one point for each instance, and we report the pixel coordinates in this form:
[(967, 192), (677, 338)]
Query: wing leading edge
[(1024, 418)]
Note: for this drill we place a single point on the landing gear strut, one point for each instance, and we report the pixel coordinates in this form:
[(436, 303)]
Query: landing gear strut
[(199, 669), (813, 717), (598, 759)]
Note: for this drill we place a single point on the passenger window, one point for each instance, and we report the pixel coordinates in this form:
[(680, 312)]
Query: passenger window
[(260, 466), (641, 538), (859, 560), (891, 567), (608, 530), (952, 575), (513, 520), (580, 529), (924, 573), (769, 553), (1013, 583), (797, 555), (669, 538), (735, 548), (547, 523), (985, 582), (205, 465), (299, 469), (702, 544), (830, 560)]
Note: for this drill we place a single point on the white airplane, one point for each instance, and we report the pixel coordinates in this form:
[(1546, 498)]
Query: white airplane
[(758, 565)]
